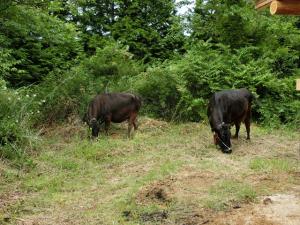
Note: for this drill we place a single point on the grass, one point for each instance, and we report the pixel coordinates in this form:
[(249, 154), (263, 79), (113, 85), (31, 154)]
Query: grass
[(228, 192), (273, 165), (160, 176)]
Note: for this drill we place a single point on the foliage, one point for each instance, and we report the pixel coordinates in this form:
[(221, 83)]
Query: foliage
[(61, 53), (150, 29), (16, 137), (158, 89), (35, 44), (154, 34), (181, 89), (97, 74)]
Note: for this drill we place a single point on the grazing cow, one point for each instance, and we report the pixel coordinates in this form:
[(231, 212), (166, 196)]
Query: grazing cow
[(112, 107), (226, 108)]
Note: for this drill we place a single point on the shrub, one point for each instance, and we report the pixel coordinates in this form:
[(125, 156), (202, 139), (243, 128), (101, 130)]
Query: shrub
[(16, 137), (208, 68), (97, 74), (158, 89)]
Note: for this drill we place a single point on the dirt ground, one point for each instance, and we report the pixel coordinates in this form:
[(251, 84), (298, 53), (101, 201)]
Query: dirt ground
[(276, 209)]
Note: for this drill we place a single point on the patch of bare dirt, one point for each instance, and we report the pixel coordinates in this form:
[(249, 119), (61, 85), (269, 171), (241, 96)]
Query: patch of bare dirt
[(279, 209), (158, 216), (194, 217), (10, 198), (158, 192), (192, 185), (187, 185)]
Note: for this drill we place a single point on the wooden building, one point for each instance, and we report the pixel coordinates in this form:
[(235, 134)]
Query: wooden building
[(280, 7)]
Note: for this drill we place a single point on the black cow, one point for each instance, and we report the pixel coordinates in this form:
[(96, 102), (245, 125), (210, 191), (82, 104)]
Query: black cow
[(112, 107), (226, 108)]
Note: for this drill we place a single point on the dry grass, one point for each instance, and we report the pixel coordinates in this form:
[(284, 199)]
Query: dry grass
[(168, 174)]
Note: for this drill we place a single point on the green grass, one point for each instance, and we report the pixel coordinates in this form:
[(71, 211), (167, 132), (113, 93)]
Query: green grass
[(272, 165), (228, 192), (100, 182)]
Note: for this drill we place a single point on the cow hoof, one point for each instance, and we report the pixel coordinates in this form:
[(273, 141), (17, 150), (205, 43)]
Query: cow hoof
[(227, 151)]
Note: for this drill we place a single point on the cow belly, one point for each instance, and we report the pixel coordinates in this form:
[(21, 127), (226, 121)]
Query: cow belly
[(120, 116), (238, 113), (119, 119)]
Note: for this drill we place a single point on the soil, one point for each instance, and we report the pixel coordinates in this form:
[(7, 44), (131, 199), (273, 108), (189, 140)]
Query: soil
[(277, 209)]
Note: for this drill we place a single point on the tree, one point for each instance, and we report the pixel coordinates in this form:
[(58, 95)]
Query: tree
[(149, 28), (36, 43)]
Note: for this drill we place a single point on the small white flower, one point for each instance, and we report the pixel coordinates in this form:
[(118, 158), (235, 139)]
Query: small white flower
[(19, 98), (27, 96), (38, 111), (17, 121), (44, 100), (34, 95), (9, 98)]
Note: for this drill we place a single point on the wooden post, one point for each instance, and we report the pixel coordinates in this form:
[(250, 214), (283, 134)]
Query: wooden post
[(298, 84), (286, 7), (260, 4)]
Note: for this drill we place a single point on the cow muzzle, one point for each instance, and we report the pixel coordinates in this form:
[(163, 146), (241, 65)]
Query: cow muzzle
[(224, 147)]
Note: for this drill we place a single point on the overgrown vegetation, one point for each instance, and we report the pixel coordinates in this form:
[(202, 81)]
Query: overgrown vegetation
[(56, 55)]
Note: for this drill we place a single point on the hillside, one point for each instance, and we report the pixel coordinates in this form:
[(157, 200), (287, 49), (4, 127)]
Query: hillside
[(167, 174)]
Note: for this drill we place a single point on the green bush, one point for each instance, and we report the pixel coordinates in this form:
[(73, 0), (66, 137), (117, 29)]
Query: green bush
[(16, 137), (97, 74), (158, 89), (180, 89)]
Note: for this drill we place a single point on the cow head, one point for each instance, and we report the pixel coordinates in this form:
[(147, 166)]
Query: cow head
[(95, 127), (222, 137)]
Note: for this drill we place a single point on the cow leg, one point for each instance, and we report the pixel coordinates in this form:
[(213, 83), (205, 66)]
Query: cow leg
[(237, 129), (107, 124), (247, 125), (247, 122), (131, 123), (135, 124)]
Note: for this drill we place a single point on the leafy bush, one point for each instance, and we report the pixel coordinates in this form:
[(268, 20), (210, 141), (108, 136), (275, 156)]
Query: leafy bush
[(180, 89), (158, 89), (97, 74), (16, 137)]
